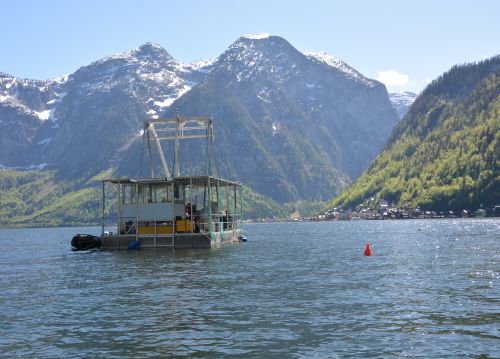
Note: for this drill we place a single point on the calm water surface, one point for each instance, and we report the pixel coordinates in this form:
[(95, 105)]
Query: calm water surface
[(295, 290)]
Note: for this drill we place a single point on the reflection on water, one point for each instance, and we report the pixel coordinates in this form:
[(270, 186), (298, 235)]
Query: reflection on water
[(294, 290)]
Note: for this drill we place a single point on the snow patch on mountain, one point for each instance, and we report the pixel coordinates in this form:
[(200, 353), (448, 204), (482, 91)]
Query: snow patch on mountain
[(313, 86), (276, 126), (46, 115), (203, 66), (335, 62), (43, 115), (264, 95), (179, 89), (7, 98), (165, 103), (45, 141), (61, 79), (258, 36)]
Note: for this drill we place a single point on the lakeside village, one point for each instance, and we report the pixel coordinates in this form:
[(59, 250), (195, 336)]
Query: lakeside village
[(385, 210)]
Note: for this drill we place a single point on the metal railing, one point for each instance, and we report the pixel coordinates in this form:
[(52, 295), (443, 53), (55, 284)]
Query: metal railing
[(128, 226), (198, 223), (220, 222)]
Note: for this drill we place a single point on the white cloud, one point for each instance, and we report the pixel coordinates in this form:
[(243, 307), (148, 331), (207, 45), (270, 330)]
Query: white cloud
[(392, 78)]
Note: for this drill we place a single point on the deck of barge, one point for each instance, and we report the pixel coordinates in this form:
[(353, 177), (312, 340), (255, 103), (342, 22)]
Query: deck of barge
[(179, 241)]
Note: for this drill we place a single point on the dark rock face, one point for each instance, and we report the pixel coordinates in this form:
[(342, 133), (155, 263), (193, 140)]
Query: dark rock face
[(289, 124)]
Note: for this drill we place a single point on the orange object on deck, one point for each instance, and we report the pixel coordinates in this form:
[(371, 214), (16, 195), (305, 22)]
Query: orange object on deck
[(368, 250)]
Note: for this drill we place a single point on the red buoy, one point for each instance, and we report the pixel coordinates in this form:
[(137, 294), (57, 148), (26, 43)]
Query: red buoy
[(368, 250)]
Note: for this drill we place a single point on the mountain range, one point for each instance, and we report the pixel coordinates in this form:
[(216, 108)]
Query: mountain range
[(289, 125)]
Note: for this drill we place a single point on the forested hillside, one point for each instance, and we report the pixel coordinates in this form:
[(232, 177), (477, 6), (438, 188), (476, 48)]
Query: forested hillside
[(445, 154), (38, 198)]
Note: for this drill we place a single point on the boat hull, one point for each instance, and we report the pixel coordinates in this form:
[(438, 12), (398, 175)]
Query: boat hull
[(177, 241)]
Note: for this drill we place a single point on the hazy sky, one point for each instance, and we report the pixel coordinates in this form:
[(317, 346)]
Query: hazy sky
[(402, 43)]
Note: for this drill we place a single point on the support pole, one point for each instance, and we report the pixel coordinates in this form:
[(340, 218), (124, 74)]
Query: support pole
[(136, 211), (191, 216), (174, 223), (219, 216), (160, 151), (119, 207), (176, 160), (211, 129), (209, 167), (150, 155), (103, 208), (241, 204), (210, 207), (235, 205)]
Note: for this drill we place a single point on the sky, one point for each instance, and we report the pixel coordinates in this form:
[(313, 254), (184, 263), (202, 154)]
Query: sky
[(404, 44)]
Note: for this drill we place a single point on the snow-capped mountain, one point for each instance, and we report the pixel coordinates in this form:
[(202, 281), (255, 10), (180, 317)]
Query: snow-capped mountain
[(289, 124), (147, 72), (401, 101), (42, 121), (306, 122)]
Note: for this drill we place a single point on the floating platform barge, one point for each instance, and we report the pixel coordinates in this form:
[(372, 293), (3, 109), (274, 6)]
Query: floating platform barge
[(172, 211)]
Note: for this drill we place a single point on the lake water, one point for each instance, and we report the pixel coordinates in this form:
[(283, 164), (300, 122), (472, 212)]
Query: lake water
[(294, 290)]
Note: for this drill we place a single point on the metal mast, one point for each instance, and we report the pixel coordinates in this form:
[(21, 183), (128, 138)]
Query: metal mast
[(176, 129)]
